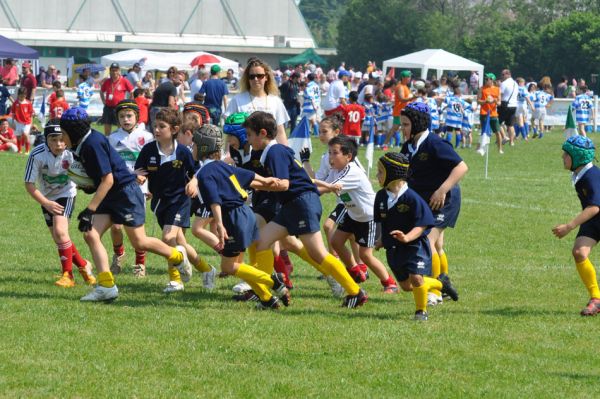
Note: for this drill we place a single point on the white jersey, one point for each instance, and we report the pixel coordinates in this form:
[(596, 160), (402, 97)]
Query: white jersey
[(324, 167), (50, 173), (271, 104), (337, 91), (357, 193), (129, 145)]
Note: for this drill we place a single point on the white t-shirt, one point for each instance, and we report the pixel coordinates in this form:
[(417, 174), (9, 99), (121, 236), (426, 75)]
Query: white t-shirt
[(244, 102), (509, 91), (129, 145), (337, 90), (357, 193), (50, 173), (195, 87)]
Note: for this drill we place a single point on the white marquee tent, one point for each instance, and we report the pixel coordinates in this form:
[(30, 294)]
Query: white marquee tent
[(436, 59), (154, 60)]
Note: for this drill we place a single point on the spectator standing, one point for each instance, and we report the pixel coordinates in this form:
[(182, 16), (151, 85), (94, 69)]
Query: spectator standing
[(4, 96), (474, 82), (337, 94), (165, 96), (28, 81), (509, 91), (10, 74), (134, 76), (148, 81), (215, 90), (289, 95), (114, 89), (48, 77), (230, 80)]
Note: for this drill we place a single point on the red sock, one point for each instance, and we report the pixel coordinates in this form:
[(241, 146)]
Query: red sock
[(363, 267), (140, 257), (65, 252), (77, 259), (19, 143), (119, 249), (279, 266), (286, 259), (389, 281)]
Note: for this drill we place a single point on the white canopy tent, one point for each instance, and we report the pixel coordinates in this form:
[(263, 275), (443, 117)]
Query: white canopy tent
[(154, 60), (437, 59)]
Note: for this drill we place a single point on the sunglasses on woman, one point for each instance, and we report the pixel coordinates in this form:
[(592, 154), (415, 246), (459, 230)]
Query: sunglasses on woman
[(259, 76)]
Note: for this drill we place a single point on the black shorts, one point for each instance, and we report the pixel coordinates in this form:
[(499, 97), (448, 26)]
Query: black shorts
[(590, 229), (448, 215), (67, 202), (109, 116), (412, 258), (506, 115), (338, 213), (364, 232), (172, 213), (199, 209), (267, 207)]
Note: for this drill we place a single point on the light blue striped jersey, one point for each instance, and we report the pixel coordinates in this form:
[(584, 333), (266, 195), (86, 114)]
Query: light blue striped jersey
[(312, 93), (84, 94), (521, 96), (583, 105), (467, 120), (433, 111), (542, 98), (454, 112)]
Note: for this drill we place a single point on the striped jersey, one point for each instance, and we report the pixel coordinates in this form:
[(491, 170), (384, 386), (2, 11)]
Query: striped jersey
[(583, 105), (542, 99), (467, 120), (385, 112), (50, 172), (522, 97), (454, 111), (312, 95), (370, 115), (433, 111), (84, 94)]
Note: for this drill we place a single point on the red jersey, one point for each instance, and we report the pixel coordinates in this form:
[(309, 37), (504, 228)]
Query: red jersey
[(22, 112), (57, 108), (114, 92), (142, 103), (51, 98), (8, 134), (353, 117)]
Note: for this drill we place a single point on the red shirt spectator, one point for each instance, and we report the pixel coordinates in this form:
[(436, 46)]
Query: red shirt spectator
[(115, 91), (28, 81), (22, 112), (9, 73), (58, 107), (353, 117), (143, 104)]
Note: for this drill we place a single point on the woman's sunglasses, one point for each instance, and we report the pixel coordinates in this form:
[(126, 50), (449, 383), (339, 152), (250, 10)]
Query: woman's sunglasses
[(259, 76)]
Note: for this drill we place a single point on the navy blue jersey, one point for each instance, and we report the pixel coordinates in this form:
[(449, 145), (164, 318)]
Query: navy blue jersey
[(223, 184), (409, 211), (280, 163), (588, 188), (430, 165), (99, 158), (255, 166), (167, 174)]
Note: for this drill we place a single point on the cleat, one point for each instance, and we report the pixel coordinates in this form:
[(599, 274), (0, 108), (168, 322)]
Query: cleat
[(208, 279), (241, 287), (420, 315), (87, 274), (173, 286), (357, 274), (101, 294), (117, 264), (272, 304), (184, 267), (447, 287), (336, 289), (434, 300), (390, 288), (281, 289), (139, 270), (592, 308), (354, 301), (65, 281), (246, 296)]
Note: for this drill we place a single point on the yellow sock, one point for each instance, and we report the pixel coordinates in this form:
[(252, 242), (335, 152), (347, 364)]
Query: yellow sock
[(443, 263), (435, 270), (106, 279), (586, 272), (252, 254), (334, 267), (420, 295), (202, 265), (264, 260), (303, 254), (175, 258), (174, 274), (259, 281), (432, 283)]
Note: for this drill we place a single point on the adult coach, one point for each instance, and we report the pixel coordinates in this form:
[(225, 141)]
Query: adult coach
[(488, 99), (215, 90), (289, 94), (165, 96), (509, 91), (28, 81), (258, 92), (402, 97), (337, 94), (113, 90)]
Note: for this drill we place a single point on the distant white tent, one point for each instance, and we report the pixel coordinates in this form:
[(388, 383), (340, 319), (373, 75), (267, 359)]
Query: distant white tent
[(155, 60), (436, 59)]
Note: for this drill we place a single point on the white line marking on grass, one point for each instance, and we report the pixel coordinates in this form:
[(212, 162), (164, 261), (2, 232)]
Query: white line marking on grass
[(515, 206)]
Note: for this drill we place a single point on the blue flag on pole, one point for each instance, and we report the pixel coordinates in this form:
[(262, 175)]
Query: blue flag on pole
[(300, 137), (42, 115), (486, 134)]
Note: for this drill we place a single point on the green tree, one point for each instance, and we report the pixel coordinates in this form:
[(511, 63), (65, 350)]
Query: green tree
[(322, 18)]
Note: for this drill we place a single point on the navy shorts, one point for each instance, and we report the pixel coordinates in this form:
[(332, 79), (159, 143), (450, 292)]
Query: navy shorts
[(109, 116), (590, 229), (67, 202), (448, 215), (172, 213), (126, 206), (413, 258), (199, 209), (267, 207), (338, 213), (240, 224), (364, 232), (302, 215)]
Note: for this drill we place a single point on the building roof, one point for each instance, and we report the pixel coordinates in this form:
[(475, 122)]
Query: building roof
[(157, 24)]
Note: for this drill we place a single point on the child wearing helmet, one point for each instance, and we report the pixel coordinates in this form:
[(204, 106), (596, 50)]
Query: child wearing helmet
[(222, 188), (117, 199), (47, 167), (128, 140), (405, 220), (578, 154)]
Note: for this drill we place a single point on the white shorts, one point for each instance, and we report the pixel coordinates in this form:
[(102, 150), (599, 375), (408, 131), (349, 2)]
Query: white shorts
[(522, 111), (21, 128), (539, 114)]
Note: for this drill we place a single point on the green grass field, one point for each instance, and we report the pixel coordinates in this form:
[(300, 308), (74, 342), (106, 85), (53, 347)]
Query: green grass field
[(515, 333)]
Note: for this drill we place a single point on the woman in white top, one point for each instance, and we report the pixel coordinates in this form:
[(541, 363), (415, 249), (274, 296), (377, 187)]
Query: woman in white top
[(258, 92)]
